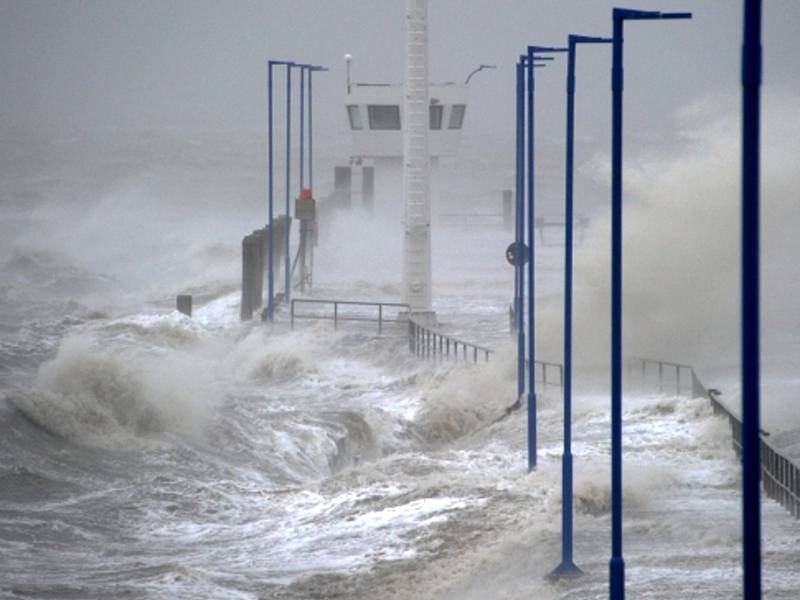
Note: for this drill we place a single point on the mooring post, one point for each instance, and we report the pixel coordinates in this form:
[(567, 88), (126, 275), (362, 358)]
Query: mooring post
[(183, 304), (248, 279)]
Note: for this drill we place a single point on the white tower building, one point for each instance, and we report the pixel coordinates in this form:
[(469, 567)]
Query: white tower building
[(416, 164)]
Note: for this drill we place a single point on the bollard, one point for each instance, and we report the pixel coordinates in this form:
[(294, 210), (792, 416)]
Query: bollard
[(184, 304), (259, 251), (249, 254)]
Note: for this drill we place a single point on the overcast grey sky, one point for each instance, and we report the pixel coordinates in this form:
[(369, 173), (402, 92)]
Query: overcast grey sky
[(74, 65)]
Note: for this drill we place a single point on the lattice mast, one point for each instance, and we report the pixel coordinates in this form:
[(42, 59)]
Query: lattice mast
[(416, 162)]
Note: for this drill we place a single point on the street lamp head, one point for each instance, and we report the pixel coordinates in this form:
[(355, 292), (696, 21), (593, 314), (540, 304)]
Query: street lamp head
[(587, 39), (537, 60), (348, 58), (545, 49), (478, 70), (630, 14)]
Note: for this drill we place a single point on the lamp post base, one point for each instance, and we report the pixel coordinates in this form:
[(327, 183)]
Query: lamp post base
[(616, 571), (566, 570)]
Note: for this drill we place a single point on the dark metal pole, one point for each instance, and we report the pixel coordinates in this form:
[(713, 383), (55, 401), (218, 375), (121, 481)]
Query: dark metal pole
[(567, 567), (270, 274), (302, 122), (617, 563), (519, 272), (310, 131), (751, 442), (531, 257), (531, 299), (287, 288)]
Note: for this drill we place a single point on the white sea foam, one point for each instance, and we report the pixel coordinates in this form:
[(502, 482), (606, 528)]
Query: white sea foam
[(91, 396)]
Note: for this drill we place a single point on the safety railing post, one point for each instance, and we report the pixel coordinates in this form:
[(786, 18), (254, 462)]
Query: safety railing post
[(336, 315), (380, 318), (292, 316)]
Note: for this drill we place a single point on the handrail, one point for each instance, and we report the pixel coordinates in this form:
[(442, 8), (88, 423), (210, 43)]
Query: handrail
[(545, 367), (669, 374), (380, 320), (427, 342), (780, 474), (430, 343)]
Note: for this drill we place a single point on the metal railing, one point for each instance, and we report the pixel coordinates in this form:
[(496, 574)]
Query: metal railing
[(670, 376), (779, 474), (338, 316), (543, 368), (426, 342)]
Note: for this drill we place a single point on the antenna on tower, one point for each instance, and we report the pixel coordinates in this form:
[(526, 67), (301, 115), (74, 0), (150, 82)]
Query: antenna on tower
[(348, 59)]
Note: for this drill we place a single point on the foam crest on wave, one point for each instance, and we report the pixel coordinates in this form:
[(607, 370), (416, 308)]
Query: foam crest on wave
[(264, 357), (94, 397), (460, 400)]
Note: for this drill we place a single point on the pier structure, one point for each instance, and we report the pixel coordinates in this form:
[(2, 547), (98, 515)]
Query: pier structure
[(416, 165)]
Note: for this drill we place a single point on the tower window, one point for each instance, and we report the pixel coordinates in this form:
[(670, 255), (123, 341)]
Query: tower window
[(436, 113), (355, 116), (384, 116), (457, 116)]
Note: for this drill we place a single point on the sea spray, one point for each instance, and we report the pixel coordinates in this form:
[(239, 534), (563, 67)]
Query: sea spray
[(462, 397), (92, 396)]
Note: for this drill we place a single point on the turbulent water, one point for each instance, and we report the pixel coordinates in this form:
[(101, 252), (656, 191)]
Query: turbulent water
[(149, 455)]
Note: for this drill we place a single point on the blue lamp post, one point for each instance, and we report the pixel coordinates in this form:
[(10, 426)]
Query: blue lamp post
[(751, 442), (311, 70), (287, 280), (520, 254), (617, 563), (519, 273), (532, 52), (303, 69), (269, 311), (567, 567), (302, 132)]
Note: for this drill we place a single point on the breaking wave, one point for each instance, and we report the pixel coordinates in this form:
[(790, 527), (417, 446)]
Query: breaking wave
[(92, 397), (262, 357), (459, 401)]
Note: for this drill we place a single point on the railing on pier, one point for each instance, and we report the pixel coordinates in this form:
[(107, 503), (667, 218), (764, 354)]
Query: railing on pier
[(426, 342), (547, 373), (669, 376), (780, 475), (432, 344), (378, 312)]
